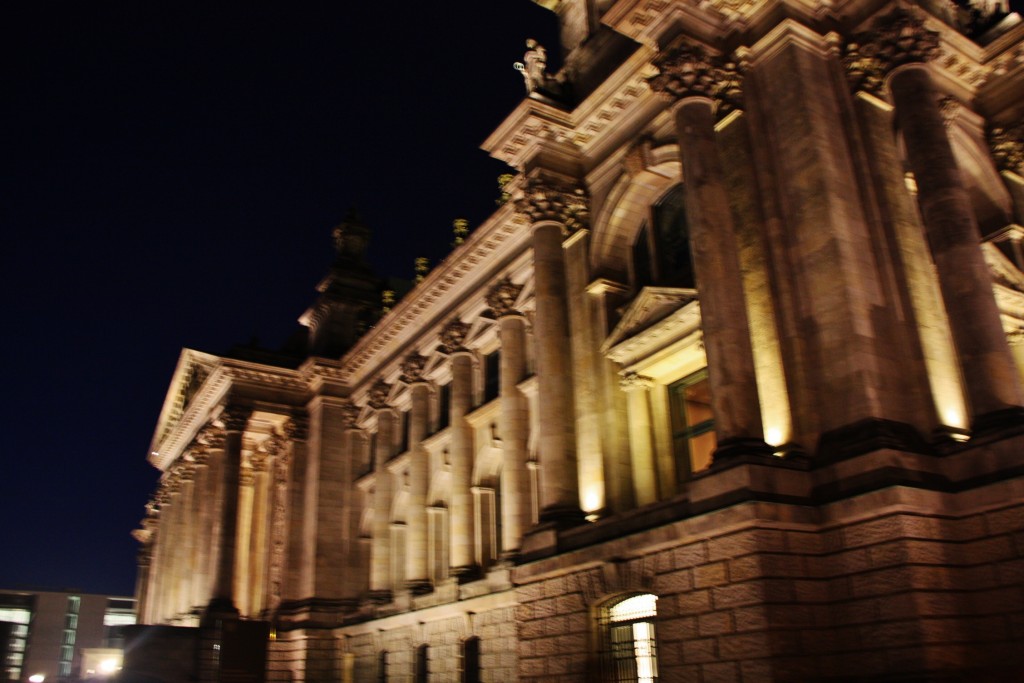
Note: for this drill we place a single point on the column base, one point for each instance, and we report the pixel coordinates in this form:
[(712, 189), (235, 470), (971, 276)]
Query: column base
[(220, 608), (419, 586), (466, 573), (562, 516), (871, 434), (379, 597), (1008, 420), (730, 449)]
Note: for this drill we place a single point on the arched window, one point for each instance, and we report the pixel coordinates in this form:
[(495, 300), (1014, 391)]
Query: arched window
[(661, 251), (628, 643), (422, 664), (470, 664)]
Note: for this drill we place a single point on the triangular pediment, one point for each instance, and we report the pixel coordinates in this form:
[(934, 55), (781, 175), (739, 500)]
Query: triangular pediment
[(192, 370), (650, 306)]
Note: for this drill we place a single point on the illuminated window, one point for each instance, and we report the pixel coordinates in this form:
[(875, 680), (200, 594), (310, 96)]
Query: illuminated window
[(693, 424), (629, 647)]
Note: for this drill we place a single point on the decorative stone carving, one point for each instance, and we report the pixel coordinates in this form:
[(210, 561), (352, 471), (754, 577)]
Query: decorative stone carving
[(259, 460), (211, 436), (631, 381), (546, 199), (453, 336), (502, 298), (412, 368), (688, 70), (534, 66), (379, 392), (349, 414), (297, 428), (1008, 148), (895, 39), (235, 417)]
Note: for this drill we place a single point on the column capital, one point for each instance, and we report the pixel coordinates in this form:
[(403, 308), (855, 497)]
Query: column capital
[(297, 428), (235, 417), (349, 414), (544, 198), (687, 70), (631, 381), (894, 39), (501, 298), (378, 395), (412, 368), (453, 336), (1007, 144), (259, 460)]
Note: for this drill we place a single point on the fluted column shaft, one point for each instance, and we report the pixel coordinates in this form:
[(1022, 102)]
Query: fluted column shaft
[(416, 571), (224, 583), (514, 422), (641, 444), (462, 462), (716, 263), (199, 595), (987, 365), (380, 549), (559, 494)]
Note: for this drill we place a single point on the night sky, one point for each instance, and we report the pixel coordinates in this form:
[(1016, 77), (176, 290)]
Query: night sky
[(171, 175)]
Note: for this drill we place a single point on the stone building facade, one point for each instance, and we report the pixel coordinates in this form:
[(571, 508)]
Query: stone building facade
[(728, 389)]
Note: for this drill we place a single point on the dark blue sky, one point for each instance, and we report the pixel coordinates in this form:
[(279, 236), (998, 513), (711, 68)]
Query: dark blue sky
[(171, 174)]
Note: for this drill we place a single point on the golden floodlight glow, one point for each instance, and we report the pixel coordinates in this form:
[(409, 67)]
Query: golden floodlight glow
[(109, 666), (37, 678)]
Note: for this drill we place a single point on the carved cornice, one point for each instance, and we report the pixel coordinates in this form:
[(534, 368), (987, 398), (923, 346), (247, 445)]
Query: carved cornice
[(688, 70), (544, 198), (412, 368), (501, 298), (453, 336)]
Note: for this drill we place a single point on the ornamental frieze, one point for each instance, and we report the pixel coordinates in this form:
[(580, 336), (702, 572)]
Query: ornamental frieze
[(546, 199), (297, 428), (688, 70), (502, 298)]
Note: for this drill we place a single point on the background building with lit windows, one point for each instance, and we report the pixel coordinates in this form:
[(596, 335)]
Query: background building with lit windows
[(49, 631), (729, 386)]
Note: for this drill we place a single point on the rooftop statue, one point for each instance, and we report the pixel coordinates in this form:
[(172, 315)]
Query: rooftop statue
[(534, 66)]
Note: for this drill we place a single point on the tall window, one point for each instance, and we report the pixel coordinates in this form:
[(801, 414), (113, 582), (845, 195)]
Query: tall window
[(470, 660), (492, 376), (661, 251), (422, 664), (627, 630), (382, 666), (693, 424), (444, 406)]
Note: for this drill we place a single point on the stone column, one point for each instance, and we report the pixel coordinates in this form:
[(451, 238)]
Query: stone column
[(515, 420), (199, 593), (694, 81), (277, 563), (417, 575), (462, 535), (641, 445), (994, 394), (259, 546), (169, 560), (299, 555), (186, 545), (235, 419), (553, 208), (213, 439), (243, 544), (380, 550)]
